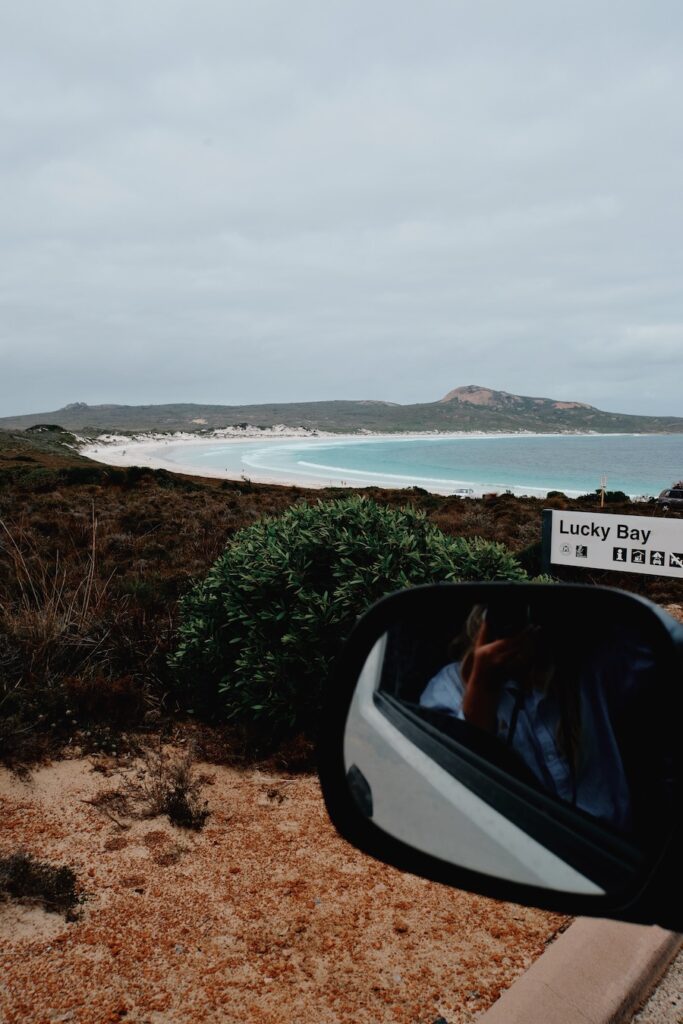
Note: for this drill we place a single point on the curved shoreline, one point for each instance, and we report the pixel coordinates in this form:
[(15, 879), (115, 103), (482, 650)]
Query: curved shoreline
[(139, 452), (136, 452), (154, 451)]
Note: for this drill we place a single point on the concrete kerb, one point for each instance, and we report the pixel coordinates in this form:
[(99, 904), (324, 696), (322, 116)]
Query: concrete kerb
[(597, 972)]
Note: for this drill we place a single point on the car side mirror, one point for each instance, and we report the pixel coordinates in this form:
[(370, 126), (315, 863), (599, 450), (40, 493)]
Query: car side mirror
[(517, 740)]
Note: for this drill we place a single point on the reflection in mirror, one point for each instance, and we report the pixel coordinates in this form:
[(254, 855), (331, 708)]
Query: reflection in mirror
[(454, 721)]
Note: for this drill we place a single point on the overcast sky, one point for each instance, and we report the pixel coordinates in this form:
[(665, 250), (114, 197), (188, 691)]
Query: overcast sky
[(280, 200)]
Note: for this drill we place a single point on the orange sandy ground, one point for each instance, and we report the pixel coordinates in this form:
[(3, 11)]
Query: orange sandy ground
[(265, 916)]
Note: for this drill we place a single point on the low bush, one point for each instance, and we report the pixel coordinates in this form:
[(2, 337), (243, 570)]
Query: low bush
[(610, 497), (259, 634), (28, 880), (47, 428), (41, 479), (74, 475)]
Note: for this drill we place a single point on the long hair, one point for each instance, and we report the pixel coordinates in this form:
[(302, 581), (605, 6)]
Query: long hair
[(545, 673)]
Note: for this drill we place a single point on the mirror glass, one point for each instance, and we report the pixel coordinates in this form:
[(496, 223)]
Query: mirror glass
[(517, 738)]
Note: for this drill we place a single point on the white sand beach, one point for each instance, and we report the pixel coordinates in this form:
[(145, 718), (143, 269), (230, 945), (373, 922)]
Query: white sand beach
[(167, 451), (153, 452), (293, 456)]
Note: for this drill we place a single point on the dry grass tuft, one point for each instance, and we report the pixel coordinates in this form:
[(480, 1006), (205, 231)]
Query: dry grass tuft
[(28, 880), (51, 609), (169, 784), (163, 783)]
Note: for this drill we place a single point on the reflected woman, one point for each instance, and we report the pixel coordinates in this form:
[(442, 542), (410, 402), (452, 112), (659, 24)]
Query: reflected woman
[(556, 718)]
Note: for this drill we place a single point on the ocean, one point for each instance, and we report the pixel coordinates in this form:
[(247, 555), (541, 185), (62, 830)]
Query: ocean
[(639, 464)]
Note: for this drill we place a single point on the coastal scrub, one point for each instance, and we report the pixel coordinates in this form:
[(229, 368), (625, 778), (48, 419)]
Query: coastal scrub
[(258, 636)]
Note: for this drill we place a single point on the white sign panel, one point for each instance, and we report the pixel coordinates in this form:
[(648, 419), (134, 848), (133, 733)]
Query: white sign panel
[(639, 544)]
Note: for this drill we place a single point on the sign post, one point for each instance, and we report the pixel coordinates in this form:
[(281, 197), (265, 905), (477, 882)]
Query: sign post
[(595, 540)]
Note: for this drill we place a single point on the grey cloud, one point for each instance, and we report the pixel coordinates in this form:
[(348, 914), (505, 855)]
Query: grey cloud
[(259, 201)]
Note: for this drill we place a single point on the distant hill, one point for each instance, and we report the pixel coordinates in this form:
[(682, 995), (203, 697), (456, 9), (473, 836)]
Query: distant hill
[(465, 408)]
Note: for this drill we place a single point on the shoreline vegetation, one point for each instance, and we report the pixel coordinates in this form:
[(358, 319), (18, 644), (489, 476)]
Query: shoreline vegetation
[(94, 560)]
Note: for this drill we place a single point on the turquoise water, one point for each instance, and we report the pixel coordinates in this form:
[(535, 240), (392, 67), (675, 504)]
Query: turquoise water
[(635, 463)]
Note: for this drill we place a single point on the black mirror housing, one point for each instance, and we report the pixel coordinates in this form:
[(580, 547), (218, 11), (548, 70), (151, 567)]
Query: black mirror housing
[(431, 789)]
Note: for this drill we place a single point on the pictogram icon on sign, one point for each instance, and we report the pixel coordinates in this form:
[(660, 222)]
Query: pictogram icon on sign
[(638, 555), (566, 549), (582, 551), (676, 559), (618, 554), (656, 558)]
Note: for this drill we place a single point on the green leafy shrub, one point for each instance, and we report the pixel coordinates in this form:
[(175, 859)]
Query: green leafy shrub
[(40, 479), (611, 497), (259, 634), (134, 474), (47, 428), (75, 475)]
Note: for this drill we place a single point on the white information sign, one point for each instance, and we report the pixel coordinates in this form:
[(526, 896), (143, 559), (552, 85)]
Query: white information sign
[(642, 544)]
